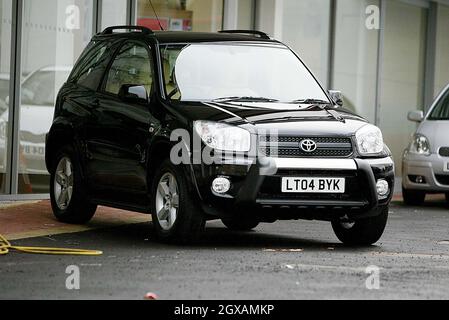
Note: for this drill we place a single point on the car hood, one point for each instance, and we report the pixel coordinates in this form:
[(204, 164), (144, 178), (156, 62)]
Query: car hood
[(436, 131), (34, 119), (285, 118)]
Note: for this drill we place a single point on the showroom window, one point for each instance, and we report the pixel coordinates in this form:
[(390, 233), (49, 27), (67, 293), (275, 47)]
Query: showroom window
[(355, 57), (5, 55), (305, 28), (189, 15), (54, 34), (442, 49), (113, 13), (402, 73)]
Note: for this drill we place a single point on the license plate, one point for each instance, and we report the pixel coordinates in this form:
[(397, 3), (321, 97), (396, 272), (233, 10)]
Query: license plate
[(446, 167), (313, 185)]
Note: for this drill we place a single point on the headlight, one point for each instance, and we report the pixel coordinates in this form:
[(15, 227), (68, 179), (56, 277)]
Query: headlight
[(369, 140), (220, 136), (420, 145)]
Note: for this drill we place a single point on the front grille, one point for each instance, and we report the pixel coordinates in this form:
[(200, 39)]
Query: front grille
[(290, 147), (444, 152), (442, 179)]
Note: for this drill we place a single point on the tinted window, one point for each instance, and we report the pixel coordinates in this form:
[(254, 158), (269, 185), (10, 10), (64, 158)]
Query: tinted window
[(132, 65), (92, 66), (441, 111)]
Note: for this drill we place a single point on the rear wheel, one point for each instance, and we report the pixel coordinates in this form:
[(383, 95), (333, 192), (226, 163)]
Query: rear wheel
[(68, 191), (240, 224), (362, 232), (413, 197), (176, 217)]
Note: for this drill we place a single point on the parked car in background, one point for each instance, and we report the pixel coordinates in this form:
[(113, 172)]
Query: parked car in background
[(426, 160), (4, 91), (36, 115)]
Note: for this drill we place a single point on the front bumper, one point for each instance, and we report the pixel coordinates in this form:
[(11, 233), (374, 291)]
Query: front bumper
[(431, 168), (256, 188)]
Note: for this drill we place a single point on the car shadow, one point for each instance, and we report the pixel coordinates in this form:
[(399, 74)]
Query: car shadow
[(217, 237)]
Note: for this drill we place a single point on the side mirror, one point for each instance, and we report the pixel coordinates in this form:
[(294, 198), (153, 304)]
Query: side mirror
[(337, 97), (415, 116), (133, 93)]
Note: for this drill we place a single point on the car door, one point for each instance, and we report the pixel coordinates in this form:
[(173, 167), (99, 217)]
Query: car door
[(118, 149)]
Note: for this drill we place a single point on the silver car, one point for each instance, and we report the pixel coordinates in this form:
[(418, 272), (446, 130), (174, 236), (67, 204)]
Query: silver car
[(426, 160)]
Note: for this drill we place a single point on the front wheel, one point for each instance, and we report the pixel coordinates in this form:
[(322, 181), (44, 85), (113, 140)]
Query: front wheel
[(364, 232), (413, 197), (176, 217)]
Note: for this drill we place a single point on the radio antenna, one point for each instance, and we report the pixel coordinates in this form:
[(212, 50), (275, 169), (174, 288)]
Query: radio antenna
[(154, 10)]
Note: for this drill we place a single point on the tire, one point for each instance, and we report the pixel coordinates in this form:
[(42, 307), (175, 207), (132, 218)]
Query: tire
[(364, 232), (447, 198), (413, 197), (177, 218), (68, 195), (239, 224)]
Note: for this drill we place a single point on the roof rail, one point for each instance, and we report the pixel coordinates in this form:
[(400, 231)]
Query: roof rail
[(260, 34), (111, 30)]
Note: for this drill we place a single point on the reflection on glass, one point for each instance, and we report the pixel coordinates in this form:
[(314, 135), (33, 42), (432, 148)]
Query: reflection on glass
[(189, 15), (54, 34), (5, 48), (402, 73), (237, 71), (355, 57), (305, 27)]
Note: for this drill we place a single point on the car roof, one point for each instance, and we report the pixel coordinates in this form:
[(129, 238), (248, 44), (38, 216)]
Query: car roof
[(165, 37)]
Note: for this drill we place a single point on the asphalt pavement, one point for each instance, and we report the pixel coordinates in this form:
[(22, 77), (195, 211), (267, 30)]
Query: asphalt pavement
[(285, 260)]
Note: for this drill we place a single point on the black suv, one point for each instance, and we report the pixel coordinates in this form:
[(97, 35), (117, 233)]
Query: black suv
[(194, 127)]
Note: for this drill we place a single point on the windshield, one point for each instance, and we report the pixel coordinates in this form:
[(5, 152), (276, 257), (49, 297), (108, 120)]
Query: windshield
[(441, 111), (41, 87), (243, 72)]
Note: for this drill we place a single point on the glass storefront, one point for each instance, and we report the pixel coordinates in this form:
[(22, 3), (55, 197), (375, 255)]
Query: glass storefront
[(189, 15), (355, 57), (54, 34), (402, 73), (381, 72), (5, 55)]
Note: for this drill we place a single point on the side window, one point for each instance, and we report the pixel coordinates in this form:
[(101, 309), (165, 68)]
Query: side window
[(441, 111), (92, 67), (132, 65)]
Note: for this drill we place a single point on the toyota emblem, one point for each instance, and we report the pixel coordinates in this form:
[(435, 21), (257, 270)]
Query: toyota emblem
[(308, 145)]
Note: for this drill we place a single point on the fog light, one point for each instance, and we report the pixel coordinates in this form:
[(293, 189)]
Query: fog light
[(383, 189), (221, 185), (419, 179)]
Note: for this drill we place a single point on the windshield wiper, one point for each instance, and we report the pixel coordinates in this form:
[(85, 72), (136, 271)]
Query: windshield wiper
[(310, 101), (323, 105), (245, 99)]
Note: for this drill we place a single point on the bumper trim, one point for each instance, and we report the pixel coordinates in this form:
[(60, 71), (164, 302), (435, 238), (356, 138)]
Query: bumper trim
[(315, 163), (312, 203)]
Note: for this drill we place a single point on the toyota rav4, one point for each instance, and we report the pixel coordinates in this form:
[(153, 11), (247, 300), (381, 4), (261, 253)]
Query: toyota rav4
[(193, 127)]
